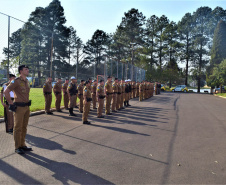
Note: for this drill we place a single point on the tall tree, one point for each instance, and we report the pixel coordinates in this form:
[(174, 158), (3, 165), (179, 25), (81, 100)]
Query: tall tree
[(218, 51), (171, 37), (132, 25), (149, 48), (161, 26), (185, 27), (202, 17)]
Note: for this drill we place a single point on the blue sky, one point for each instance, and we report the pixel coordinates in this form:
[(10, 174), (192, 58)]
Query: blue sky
[(86, 16)]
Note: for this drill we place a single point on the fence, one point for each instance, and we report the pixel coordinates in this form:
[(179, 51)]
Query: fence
[(9, 25)]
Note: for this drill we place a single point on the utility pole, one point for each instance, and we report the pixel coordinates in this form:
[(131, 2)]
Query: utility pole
[(51, 58), (8, 46)]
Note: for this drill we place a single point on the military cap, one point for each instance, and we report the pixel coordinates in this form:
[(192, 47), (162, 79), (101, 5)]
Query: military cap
[(101, 80), (116, 78), (109, 76), (73, 78), (82, 80)]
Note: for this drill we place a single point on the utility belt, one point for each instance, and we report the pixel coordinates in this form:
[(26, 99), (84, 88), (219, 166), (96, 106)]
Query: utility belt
[(22, 104), (109, 93), (101, 97), (115, 92), (7, 102), (80, 94), (65, 93), (45, 93), (89, 99), (72, 94), (119, 93), (57, 93)]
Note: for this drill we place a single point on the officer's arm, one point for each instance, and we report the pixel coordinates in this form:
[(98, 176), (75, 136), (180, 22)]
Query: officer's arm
[(7, 95), (2, 98)]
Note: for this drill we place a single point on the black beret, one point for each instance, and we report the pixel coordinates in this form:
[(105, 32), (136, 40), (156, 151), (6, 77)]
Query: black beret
[(109, 76), (101, 80), (11, 75), (21, 67)]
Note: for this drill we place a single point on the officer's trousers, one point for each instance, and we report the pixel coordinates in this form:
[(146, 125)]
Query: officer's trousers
[(66, 101), (21, 117), (118, 101), (108, 103), (114, 101), (80, 103), (100, 107), (48, 101), (58, 101), (122, 100), (141, 96), (72, 101), (8, 118), (86, 108), (94, 99)]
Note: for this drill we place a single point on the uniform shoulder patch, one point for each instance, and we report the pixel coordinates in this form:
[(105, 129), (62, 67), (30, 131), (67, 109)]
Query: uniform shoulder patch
[(12, 81)]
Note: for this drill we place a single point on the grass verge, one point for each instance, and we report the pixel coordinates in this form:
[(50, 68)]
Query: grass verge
[(38, 101)]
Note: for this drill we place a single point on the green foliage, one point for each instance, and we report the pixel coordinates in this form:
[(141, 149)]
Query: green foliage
[(218, 77)]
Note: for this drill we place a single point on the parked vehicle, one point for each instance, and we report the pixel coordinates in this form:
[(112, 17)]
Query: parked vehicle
[(179, 88), (217, 90), (163, 87)]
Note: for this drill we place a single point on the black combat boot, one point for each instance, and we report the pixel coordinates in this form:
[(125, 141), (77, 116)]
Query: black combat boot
[(125, 104), (128, 104), (71, 112)]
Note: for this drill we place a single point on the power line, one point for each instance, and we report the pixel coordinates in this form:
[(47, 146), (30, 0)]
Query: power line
[(12, 17)]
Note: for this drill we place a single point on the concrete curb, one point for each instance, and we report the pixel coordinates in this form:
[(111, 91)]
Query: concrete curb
[(35, 113), (220, 96)]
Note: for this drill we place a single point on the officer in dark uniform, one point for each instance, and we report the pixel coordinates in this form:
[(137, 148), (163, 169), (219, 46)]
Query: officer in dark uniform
[(66, 97), (72, 91), (127, 90), (21, 88), (8, 116)]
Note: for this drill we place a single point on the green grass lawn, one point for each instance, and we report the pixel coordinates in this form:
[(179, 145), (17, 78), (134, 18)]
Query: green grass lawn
[(221, 94), (38, 101)]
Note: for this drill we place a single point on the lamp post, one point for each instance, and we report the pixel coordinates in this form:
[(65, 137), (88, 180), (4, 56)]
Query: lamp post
[(132, 60)]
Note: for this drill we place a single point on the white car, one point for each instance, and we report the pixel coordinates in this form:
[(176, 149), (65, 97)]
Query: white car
[(179, 88)]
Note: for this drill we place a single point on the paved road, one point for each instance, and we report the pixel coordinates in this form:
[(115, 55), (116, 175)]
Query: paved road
[(175, 138)]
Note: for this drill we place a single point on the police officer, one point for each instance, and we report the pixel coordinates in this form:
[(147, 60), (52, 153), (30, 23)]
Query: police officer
[(8, 116), (108, 92), (72, 92), (127, 91), (119, 95), (100, 98), (76, 96), (93, 90), (87, 101), (114, 96), (80, 95), (21, 88), (137, 89), (130, 88), (66, 97), (123, 94), (141, 91), (57, 89), (47, 91)]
